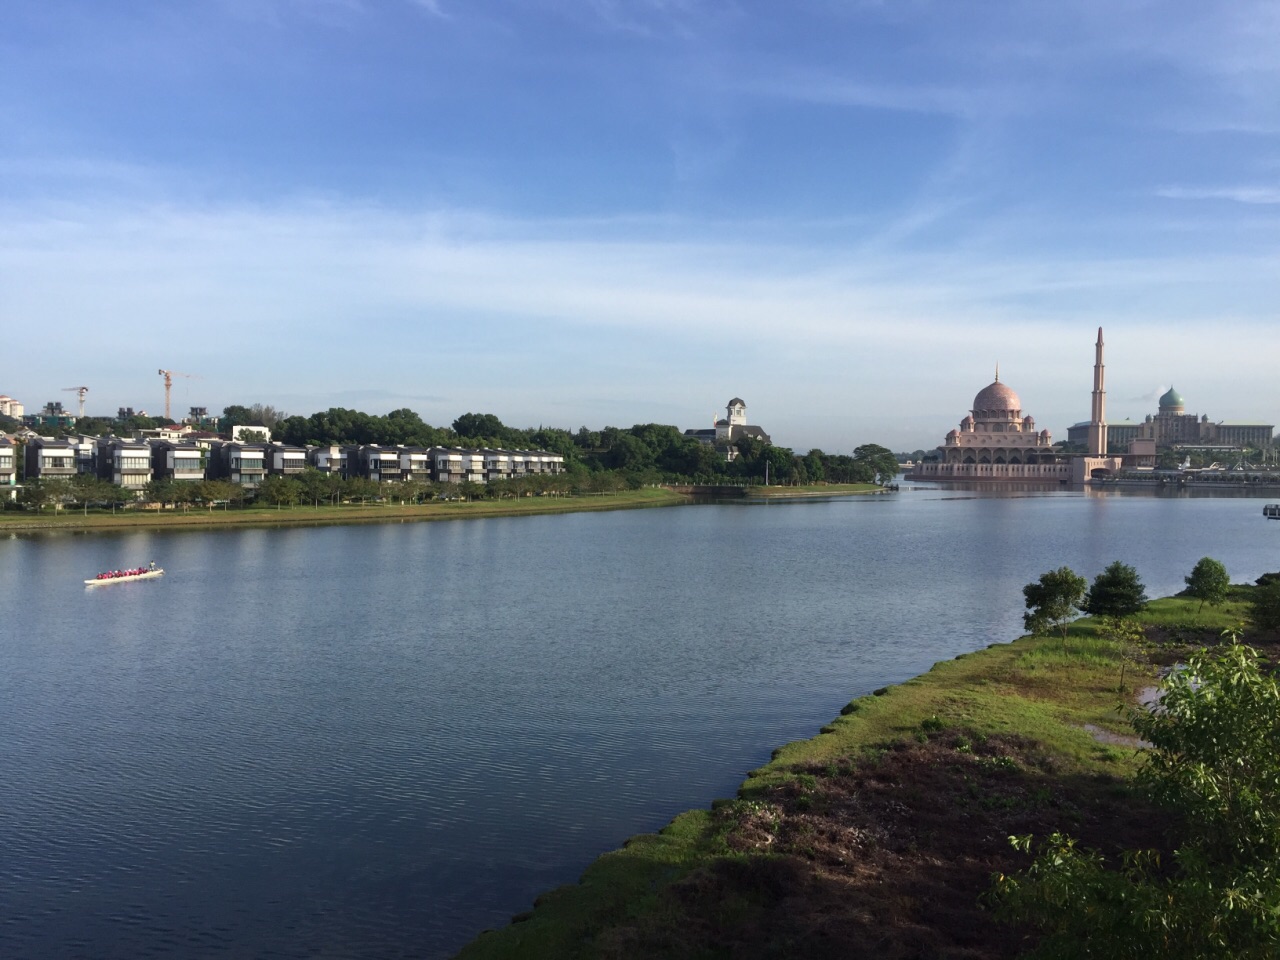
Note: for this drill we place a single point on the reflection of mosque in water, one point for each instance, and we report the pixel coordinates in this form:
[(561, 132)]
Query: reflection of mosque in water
[(996, 442)]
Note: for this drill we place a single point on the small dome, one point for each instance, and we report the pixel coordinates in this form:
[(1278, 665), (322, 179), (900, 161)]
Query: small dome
[(736, 402), (997, 396), (1172, 400)]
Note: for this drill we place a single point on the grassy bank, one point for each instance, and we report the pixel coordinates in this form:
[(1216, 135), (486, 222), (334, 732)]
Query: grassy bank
[(813, 490), (15, 521), (878, 836)]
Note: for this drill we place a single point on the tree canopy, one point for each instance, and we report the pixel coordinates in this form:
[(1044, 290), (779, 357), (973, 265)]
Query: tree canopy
[(1053, 601), (1116, 592), (882, 462), (1264, 605), (1208, 582)]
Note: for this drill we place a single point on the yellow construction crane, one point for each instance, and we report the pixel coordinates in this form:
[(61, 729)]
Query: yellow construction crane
[(80, 390), (168, 386)]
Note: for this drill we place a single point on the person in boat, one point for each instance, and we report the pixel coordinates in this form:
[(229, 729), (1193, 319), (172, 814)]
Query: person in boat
[(153, 564)]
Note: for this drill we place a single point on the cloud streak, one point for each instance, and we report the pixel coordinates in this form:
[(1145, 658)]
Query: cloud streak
[(1239, 194)]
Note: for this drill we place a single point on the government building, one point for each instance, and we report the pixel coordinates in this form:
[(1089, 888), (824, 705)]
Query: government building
[(1172, 426)]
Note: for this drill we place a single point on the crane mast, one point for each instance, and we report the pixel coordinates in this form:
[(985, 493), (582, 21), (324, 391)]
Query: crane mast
[(80, 390), (168, 387)]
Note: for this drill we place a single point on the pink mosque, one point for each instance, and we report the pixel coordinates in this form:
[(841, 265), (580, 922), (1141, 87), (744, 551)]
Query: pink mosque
[(996, 442)]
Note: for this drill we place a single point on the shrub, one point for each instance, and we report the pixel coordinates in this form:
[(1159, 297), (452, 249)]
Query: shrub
[(1208, 582), (1116, 592), (1053, 601)]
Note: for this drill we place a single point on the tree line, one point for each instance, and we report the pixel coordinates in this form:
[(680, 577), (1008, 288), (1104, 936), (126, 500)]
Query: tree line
[(641, 454)]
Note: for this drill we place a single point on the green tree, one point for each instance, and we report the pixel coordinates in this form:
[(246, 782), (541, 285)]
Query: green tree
[(213, 492), (1208, 582), (1053, 601), (1116, 592), (1215, 760), (781, 461), (629, 452), (1264, 606), (479, 426), (813, 465), (313, 485), (279, 491), (360, 488), (38, 493), (235, 415), (117, 495), (161, 490), (881, 461)]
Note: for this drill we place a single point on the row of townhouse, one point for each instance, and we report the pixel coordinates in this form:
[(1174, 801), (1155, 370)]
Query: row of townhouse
[(134, 463)]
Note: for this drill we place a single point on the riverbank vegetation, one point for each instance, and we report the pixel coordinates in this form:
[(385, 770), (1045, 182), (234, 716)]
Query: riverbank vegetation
[(371, 511), (884, 834)]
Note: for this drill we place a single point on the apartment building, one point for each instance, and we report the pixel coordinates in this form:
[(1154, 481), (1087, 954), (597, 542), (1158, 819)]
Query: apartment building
[(374, 462), (285, 460), (177, 460), (47, 458), (126, 463), (241, 463), (329, 459)]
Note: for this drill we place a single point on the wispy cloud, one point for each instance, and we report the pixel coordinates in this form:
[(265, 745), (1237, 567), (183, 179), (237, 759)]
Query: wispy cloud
[(955, 100), (1240, 194), (433, 7)]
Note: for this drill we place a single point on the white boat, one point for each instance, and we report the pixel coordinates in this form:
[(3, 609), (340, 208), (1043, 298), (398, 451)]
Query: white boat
[(142, 574), (1272, 510)]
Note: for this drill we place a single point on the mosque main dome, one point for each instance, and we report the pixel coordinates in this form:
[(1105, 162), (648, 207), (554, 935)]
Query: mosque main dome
[(998, 399)]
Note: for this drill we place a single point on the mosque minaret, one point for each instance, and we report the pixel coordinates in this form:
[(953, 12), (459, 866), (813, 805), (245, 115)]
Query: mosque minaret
[(1098, 411)]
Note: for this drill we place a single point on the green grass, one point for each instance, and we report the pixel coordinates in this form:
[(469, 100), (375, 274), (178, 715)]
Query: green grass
[(814, 490), (1043, 690), (303, 515)]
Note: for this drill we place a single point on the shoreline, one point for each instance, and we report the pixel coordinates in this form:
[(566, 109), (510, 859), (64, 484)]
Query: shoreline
[(201, 519), (887, 825), (300, 515)]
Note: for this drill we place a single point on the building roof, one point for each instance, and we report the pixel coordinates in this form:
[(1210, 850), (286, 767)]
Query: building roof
[(1172, 399), (996, 396)]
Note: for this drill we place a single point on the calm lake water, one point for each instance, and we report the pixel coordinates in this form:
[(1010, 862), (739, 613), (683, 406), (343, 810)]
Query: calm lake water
[(377, 741)]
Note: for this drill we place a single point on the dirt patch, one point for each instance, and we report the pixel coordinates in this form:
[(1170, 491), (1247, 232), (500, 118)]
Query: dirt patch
[(885, 857)]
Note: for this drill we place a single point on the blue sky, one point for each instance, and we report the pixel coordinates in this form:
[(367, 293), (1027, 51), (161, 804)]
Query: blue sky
[(597, 212)]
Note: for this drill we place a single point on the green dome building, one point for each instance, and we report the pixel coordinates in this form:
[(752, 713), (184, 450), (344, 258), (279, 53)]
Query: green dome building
[(1172, 402)]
